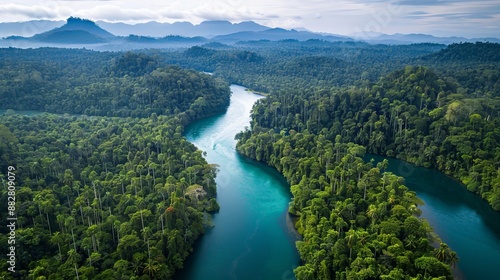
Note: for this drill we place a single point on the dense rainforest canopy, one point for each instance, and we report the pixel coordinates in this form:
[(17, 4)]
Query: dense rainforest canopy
[(433, 105), (411, 114), (105, 84), (104, 197), (353, 215), (113, 189)]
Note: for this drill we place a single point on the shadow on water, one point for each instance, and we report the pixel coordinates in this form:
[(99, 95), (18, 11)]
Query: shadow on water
[(462, 219)]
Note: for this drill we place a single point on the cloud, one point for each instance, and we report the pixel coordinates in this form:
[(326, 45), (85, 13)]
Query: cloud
[(168, 13), (421, 2), (35, 11), (210, 10), (418, 13), (216, 11), (480, 10), (86, 1), (342, 16), (439, 2), (115, 13)]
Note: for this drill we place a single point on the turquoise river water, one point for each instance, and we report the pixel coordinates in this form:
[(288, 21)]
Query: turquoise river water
[(253, 237), (462, 219)]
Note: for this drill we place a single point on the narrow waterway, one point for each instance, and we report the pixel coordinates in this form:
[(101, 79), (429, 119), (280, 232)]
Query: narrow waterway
[(252, 237), (23, 112), (462, 219)]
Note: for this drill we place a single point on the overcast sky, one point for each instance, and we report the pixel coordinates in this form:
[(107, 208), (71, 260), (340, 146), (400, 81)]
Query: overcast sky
[(438, 17)]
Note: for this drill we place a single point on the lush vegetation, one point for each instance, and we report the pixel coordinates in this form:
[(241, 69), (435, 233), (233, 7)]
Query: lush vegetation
[(271, 66), (356, 219), (104, 197), (105, 84), (268, 66), (441, 114), (122, 194), (411, 114)]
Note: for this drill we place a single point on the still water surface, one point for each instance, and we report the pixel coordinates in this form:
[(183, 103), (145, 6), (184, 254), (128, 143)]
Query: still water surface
[(462, 219), (252, 237)]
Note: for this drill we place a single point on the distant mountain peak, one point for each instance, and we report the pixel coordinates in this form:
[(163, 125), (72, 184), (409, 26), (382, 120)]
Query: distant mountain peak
[(76, 23), (279, 29), (215, 22), (77, 20), (415, 38), (276, 34), (76, 30)]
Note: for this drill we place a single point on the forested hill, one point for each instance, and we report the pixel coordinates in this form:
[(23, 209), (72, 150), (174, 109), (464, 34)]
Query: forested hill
[(411, 114), (474, 52), (110, 196), (476, 67), (358, 222), (105, 84), (103, 198), (268, 66), (449, 107)]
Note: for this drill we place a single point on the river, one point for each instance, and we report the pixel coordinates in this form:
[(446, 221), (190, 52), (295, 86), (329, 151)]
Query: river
[(23, 112), (462, 219), (253, 237)]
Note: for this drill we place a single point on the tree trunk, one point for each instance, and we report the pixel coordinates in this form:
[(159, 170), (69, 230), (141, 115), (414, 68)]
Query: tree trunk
[(48, 222), (60, 254), (76, 270), (73, 236), (162, 225)]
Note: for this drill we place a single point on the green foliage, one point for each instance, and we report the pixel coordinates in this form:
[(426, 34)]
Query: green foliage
[(356, 222), (106, 84), (267, 66), (125, 198), (105, 197), (105, 189), (411, 114), (134, 64), (8, 143)]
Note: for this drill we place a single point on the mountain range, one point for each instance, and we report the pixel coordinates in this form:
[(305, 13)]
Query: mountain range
[(77, 31), (207, 29), (399, 39)]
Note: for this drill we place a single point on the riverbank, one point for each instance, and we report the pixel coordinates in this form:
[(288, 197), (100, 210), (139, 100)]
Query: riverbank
[(257, 92), (462, 219), (252, 238)]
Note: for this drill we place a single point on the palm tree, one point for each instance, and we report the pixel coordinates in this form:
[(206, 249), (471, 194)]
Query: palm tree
[(372, 213), (46, 201), (446, 255), (411, 242), (453, 259), (442, 253), (35, 169), (352, 239), (340, 223), (74, 258), (151, 268), (57, 239), (91, 232), (135, 264)]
